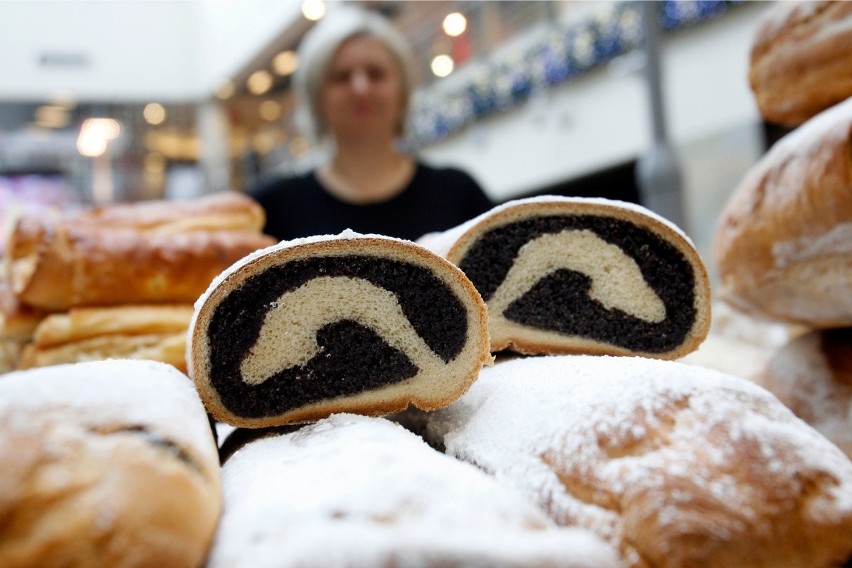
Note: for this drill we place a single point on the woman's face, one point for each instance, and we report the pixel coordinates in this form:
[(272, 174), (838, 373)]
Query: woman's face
[(362, 94)]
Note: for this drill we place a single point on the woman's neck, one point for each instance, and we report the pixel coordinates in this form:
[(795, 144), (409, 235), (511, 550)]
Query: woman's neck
[(366, 173)]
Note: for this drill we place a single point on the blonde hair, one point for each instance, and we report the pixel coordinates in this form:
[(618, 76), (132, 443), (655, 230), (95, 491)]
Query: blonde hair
[(319, 46)]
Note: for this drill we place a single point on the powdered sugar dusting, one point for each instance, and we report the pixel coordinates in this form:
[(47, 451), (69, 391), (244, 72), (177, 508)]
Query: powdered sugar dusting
[(113, 391), (378, 493), (442, 242), (599, 440)]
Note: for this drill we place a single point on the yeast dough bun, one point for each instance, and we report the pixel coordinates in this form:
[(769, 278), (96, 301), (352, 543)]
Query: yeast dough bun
[(783, 244), (107, 463), (801, 60), (675, 465), (578, 275), (347, 323), (812, 375), (357, 491)]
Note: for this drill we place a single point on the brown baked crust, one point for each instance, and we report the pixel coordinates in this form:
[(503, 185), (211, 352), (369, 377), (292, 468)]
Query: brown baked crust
[(105, 464), (225, 211), (506, 334), (674, 464), (782, 245), (84, 265), (812, 376), (376, 402), (801, 60)]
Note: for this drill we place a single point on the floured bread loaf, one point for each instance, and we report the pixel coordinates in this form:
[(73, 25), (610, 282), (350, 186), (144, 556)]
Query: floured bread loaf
[(812, 375), (783, 244), (579, 275), (347, 323), (356, 491), (154, 332), (674, 464), (801, 60), (107, 463)]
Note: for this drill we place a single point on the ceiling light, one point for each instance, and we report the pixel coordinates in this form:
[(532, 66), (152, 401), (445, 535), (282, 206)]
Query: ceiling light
[(313, 10), (95, 133), (285, 63), (225, 90), (154, 113), (442, 65), (259, 82), (269, 110), (454, 24)]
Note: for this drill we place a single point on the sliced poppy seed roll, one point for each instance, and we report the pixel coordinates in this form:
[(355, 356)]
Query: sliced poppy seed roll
[(349, 323), (580, 275)]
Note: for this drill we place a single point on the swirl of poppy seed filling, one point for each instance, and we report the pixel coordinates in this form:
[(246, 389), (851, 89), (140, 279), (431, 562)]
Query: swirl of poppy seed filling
[(352, 357), (560, 301)]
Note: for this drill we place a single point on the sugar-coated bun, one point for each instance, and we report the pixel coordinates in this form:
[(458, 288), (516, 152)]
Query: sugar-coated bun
[(674, 464), (812, 375), (107, 463), (801, 60), (783, 245), (356, 491), (580, 275)]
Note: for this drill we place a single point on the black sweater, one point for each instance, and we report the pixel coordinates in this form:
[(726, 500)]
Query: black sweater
[(436, 199)]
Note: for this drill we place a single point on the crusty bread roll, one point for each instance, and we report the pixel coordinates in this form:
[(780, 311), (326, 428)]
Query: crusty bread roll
[(85, 265), (153, 332), (363, 492), (347, 323), (580, 275), (783, 244), (108, 463), (812, 375), (801, 60), (225, 211), (674, 464)]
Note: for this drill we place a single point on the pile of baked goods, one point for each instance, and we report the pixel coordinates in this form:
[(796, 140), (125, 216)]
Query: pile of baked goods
[(118, 280), (505, 393), (784, 240)]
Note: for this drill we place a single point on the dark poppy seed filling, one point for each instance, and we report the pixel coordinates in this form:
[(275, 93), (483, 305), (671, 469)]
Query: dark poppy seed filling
[(560, 301), (353, 358)]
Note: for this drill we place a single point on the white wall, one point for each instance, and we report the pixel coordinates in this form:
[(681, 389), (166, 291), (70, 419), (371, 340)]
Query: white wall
[(133, 50)]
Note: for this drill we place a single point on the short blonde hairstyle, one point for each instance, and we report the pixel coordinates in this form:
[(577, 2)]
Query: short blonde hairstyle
[(319, 46)]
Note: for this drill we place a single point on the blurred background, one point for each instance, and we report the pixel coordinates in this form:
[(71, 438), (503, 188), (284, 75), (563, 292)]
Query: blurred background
[(108, 101)]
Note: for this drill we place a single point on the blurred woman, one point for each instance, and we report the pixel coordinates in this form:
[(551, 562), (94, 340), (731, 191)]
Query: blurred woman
[(353, 89)]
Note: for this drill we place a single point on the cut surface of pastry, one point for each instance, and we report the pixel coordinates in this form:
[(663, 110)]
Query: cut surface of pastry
[(106, 463), (579, 275), (347, 323), (675, 465), (401, 504)]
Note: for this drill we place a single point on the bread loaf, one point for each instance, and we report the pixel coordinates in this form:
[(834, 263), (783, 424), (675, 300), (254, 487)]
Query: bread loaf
[(801, 60), (152, 332), (347, 323), (783, 245), (86, 265), (225, 211), (362, 492), (675, 465), (812, 376), (108, 463), (578, 275)]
